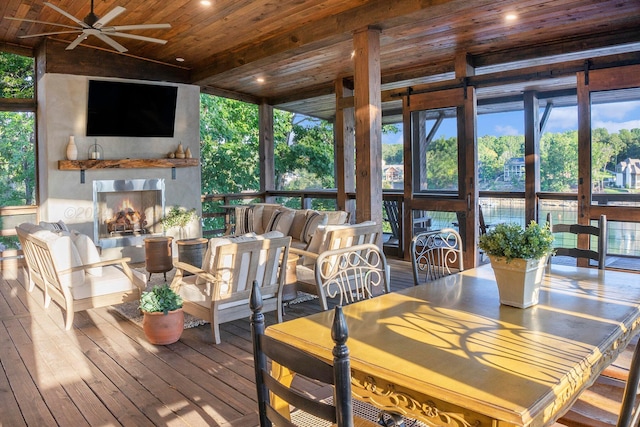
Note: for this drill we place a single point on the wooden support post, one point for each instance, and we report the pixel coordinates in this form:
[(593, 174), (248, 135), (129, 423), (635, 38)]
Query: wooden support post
[(531, 156), (368, 114), (266, 150), (345, 161)]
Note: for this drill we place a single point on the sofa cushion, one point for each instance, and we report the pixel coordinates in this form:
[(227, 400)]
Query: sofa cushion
[(336, 217), (87, 251), (297, 225), (281, 221), (65, 256), (262, 213), (112, 280), (313, 220)]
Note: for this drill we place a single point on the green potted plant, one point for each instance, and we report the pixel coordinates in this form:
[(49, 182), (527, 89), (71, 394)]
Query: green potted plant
[(163, 319), (179, 217), (518, 256)]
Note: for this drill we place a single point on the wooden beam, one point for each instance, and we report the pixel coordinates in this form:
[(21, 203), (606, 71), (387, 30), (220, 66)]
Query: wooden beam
[(531, 156), (53, 58), (344, 130), (368, 114), (17, 104), (266, 149)]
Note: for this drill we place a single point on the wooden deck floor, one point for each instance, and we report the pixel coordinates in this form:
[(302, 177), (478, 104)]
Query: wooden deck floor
[(103, 372)]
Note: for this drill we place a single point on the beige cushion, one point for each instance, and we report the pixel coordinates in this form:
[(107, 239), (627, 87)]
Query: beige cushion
[(262, 213), (87, 251), (299, 220), (281, 221), (313, 220), (65, 255), (113, 280), (336, 217)]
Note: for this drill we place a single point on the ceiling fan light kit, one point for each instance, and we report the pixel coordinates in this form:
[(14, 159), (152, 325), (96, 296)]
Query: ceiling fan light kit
[(92, 25)]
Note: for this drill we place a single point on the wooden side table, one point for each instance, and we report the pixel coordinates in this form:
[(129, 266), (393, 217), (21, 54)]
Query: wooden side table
[(158, 255), (290, 288)]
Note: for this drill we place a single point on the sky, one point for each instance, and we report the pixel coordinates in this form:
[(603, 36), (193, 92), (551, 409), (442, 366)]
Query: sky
[(622, 115)]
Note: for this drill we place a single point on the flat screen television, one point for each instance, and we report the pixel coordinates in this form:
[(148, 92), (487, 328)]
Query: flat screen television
[(131, 109)]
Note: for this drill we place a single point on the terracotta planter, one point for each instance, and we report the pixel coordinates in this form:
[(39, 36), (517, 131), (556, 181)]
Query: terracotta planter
[(162, 329), (518, 280)]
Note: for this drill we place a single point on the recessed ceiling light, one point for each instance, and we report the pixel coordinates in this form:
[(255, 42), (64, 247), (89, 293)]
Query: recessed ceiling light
[(260, 80), (180, 59), (205, 2), (511, 17)]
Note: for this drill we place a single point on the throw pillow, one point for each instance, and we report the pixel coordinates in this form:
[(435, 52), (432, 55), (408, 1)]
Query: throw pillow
[(299, 220), (314, 219), (281, 221), (56, 227), (88, 252)]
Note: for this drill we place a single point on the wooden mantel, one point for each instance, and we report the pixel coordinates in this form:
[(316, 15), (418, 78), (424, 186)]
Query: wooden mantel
[(126, 164)]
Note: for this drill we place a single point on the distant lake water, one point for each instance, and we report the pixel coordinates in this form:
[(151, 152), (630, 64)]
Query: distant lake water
[(623, 239)]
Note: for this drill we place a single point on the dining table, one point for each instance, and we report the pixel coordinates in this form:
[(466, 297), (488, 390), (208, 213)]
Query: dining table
[(448, 353)]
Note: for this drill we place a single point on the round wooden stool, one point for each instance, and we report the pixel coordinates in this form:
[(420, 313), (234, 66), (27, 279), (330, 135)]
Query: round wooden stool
[(157, 255)]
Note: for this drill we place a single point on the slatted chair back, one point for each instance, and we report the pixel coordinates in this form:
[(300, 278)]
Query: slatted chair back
[(600, 232), (32, 270), (436, 254), (392, 211), (221, 293), (351, 273), (301, 363)]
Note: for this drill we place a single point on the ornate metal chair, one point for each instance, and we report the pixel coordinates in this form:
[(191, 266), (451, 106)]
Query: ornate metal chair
[(304, 364), (351, 273), (436, 254)]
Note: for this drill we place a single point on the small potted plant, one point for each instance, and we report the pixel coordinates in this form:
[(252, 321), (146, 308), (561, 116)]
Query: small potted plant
[(163, 319), (518, 257), (179, 217)]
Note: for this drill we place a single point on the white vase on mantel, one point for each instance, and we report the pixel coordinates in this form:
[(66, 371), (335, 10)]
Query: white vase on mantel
[(72, 149)]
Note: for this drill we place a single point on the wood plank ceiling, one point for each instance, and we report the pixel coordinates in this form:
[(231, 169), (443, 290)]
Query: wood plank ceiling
[(300, 47)]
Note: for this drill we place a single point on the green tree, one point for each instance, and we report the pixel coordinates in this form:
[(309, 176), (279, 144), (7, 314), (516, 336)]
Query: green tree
[(442, 164), (559, 161)]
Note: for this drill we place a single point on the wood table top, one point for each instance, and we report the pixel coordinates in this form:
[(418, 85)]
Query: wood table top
[(451, 339)]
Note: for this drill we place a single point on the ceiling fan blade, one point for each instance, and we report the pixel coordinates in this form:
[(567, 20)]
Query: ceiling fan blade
[(39, 22), (76, 42), (109, 16), (62, 12), (137, 37), (50, 34), (114, 44), (137, 27)]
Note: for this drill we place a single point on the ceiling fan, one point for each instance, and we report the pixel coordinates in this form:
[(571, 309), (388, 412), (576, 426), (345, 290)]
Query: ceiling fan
[(92, 25)]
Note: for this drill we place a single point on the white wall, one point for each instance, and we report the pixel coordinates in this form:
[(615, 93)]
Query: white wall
[(62, 112)]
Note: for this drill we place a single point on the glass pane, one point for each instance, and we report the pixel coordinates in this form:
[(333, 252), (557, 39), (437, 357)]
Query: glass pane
[(435, 145), (16, 76), (501, 151), (615, 147), (559, 151), (17, 158)]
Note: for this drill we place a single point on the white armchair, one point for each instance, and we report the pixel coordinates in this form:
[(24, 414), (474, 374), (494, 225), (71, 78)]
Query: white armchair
[(74, 280), (219, 291)]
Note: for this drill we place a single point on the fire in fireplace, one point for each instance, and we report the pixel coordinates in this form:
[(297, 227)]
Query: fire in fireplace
[(127, 211)]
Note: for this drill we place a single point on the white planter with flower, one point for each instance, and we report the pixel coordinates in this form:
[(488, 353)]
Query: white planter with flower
[(518, 258)]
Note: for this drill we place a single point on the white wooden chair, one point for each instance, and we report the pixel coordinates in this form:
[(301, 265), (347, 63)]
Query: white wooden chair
[(220, 292), (70, 285), (435, 254), (351, 274)]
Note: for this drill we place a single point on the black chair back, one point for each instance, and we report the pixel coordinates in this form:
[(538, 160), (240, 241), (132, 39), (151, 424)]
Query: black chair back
[(301, 363), (600, 232)]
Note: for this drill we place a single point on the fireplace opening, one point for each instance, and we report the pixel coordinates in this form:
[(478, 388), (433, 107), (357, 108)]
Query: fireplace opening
[(127, 211)]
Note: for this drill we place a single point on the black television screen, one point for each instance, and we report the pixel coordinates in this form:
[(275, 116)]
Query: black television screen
[(130, 109)]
